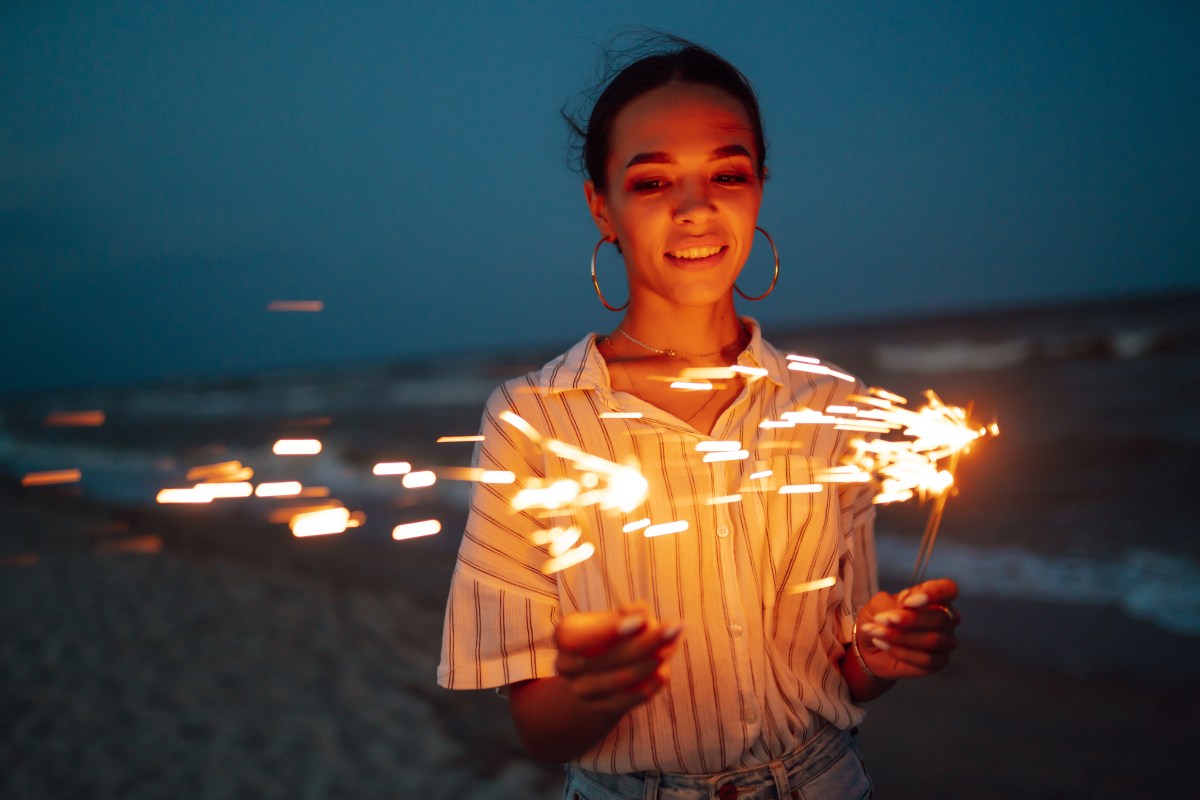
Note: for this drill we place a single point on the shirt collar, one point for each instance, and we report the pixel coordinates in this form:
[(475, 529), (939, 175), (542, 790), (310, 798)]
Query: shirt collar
[(583, 368)]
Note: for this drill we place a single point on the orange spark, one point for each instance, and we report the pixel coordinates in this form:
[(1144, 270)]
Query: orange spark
[(278, 489), (296, 447), (319, 523), (454, 439), (206, 472), (51, 477), (411, 530), (678, 526), (392, 468), (811, 586), (182, 496), (419, 479), (75, 419)]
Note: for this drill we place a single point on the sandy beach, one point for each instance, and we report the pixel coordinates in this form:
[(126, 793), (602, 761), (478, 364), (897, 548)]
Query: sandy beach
[(155, 655)]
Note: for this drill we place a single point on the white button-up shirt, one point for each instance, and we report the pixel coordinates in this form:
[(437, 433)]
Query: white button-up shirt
[(757, 669)]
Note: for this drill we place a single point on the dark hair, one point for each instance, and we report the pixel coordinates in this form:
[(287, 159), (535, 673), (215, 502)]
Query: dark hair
[(654, 62)]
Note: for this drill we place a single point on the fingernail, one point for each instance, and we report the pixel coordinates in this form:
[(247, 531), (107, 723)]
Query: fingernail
[(915, 600), (871, 629), (881, 644), (631, 625), (892, 617), (670, 633)]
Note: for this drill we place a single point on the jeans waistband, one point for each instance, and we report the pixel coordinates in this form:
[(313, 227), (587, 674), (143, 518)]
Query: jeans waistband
[(773, 779)]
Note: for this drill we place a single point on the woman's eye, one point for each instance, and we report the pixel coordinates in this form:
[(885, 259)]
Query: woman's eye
[(649, 185), (732, 177)]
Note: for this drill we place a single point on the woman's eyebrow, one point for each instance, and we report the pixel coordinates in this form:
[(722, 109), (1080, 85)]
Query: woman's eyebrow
[(659, 157)]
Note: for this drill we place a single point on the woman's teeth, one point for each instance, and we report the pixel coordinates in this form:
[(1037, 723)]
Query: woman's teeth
[(695, 252)]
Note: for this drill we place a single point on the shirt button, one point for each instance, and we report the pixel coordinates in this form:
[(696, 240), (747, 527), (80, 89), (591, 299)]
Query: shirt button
[(735, 629), (722, 531)]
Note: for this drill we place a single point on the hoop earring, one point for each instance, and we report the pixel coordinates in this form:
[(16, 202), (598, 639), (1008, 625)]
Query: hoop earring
[(596, 281), (774, 278)]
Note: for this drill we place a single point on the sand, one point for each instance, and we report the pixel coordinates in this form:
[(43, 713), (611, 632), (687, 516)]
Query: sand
[(147, 655)]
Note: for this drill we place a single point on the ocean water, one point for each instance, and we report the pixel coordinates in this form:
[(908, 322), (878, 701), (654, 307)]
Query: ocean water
[(1085, 497)]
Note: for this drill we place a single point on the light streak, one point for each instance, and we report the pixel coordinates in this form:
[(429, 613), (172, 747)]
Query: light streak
[(564, 541), (51, 477), (811, 586), (456, 439), (621, 415), (411, 530), (475, 474), (419, 479), (314, 491), (222, 491), (75, 419), (693, 386), (800, 488), (296, 447), (803, 359), (278, 489), (295, 305), (734, 455), (392, 468), (636, 525), (758, 476), (664, 528), (716, 445), (142, 545), (319, 523), (282, 515), (819, 369), (851, 410), (569, 559), (207, 472), (723, 499), (182, 496)]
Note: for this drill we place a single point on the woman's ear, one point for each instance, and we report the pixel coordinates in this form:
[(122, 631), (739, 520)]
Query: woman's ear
[(598, 206)]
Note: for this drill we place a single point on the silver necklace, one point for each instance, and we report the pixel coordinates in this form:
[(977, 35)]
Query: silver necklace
[(677, 353)]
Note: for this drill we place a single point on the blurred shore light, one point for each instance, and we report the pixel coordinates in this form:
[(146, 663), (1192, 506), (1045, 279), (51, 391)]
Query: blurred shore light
[(75, 419)]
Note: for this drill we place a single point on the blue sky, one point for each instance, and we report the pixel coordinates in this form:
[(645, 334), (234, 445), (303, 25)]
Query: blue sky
[(167, 170)]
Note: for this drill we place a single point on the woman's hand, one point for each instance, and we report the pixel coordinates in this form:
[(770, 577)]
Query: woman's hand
[(608, 662), (911, 634), (612, 661)]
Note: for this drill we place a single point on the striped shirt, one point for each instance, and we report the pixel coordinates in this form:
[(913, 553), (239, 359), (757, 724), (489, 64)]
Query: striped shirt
[(757, 670)]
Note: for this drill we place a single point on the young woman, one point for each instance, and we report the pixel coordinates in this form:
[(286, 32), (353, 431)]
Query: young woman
[(702, 663)]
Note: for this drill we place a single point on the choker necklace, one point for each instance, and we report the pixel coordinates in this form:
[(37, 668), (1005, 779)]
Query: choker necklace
[(678, 353)]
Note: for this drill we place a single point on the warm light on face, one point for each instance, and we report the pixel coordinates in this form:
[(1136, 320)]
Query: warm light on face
[(683, 193)]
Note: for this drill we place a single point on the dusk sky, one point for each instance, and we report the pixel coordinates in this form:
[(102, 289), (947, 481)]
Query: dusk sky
[(169, 169)]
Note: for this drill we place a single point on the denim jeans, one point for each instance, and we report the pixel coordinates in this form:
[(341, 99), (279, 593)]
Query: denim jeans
[(826, 766)]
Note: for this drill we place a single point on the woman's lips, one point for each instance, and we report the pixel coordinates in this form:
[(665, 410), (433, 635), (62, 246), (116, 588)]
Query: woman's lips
[(697, 256)]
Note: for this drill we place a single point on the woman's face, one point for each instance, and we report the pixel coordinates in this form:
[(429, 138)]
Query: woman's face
[(683, 193)]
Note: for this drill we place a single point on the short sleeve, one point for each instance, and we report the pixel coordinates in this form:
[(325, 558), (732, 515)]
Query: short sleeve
[(502, 610)]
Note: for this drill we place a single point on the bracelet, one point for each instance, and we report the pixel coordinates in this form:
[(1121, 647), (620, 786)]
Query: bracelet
[(858, 653)]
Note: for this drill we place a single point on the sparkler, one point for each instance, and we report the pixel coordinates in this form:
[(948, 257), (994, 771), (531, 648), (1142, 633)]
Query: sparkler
[(593, 481)]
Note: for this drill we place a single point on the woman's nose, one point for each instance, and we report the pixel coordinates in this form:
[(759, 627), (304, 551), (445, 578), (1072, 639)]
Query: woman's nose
[(694, 202)]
